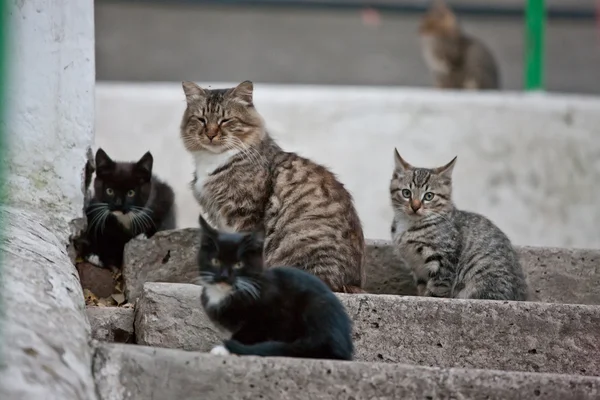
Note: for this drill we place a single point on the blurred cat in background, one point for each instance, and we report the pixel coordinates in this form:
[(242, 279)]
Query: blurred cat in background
[(457, 60)]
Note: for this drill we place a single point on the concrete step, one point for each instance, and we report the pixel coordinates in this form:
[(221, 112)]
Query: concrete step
[(555, 275), (512, 336), (140, 372), (111, 324)]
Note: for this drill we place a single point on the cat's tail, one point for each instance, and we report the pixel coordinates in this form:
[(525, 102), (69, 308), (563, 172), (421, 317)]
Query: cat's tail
[(302, 348)]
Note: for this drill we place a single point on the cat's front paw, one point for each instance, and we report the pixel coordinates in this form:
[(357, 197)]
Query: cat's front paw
[(220, 351), (94, 260), (141, 236)]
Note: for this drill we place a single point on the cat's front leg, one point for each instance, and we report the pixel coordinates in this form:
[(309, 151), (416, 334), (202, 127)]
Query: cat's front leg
[(439, 283), (421, 286)]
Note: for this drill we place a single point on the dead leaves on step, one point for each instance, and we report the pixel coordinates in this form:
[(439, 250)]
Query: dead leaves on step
[(115, 299)]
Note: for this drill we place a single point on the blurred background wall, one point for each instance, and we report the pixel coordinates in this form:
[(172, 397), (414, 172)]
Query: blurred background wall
[(328, 42)]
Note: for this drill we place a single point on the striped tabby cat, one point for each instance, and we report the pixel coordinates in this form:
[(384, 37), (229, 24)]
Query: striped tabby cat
[(245, 182), (451, 253), (457, 60)]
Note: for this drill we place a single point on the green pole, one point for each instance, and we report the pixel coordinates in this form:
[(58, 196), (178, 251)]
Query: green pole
[(534, 45)]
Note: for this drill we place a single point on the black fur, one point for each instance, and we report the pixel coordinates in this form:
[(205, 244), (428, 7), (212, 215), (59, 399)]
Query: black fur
[(278, 312), (129, 188)]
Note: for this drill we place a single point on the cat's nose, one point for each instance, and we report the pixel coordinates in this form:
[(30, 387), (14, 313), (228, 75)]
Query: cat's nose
[(211, 132), (415, 205)]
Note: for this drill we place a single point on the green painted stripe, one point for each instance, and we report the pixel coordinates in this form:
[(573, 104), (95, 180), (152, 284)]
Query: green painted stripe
[(534, 44)]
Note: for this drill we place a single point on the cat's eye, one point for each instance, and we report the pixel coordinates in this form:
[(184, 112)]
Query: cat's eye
[(131, 193), (238, 265), (109, 191), (202, 120), (406, 193), (215, 262), (224, 121), (428, 196)]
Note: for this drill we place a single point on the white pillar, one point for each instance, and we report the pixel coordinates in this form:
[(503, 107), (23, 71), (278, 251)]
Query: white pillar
[(50, 99)]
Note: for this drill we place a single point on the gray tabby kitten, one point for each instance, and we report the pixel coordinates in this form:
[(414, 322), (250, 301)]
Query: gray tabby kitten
[(457, 60), (452, 253), (245, 182)]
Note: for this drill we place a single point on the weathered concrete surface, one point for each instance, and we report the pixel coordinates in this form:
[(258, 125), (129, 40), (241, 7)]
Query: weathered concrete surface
[(525, 336), (48, 126), (169, 256), (507, 146), (111, 324), (555, 275), (139, 372), (163, 310), (44, 338)]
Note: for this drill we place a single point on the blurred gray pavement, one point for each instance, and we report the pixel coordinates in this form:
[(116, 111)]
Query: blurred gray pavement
[(174, 42)]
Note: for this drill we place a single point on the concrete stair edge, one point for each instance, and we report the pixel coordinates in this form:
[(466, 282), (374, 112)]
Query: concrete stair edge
[(141, 372), (518, 336)]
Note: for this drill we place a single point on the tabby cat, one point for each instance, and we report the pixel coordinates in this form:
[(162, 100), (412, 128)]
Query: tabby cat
[(126, 201), (244, 181), (458, 61), (280, 311), (452, 253)]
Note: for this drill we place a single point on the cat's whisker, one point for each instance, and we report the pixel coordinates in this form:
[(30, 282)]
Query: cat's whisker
[(147, 220), (250, 153), (93, 225), (135, 224), (105, 217), (144, 209), (248, 287), (257, 156)]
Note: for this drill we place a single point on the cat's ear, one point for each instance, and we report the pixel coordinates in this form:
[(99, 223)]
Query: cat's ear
[(258, 239), (192, 91), (399, 162), (440, 6), (446, 170), (144, 165), (206, 228), (242, 93), (103, 162)]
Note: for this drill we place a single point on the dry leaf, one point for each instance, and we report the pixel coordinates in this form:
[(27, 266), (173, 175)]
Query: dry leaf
[(119, 298), (90, 298)]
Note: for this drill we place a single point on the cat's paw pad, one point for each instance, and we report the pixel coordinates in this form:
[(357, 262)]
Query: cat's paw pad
[(141, 236), (220, 351), (94, 260)]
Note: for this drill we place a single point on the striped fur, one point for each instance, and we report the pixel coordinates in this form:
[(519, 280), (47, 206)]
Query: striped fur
[(452, 253), (307, 215)]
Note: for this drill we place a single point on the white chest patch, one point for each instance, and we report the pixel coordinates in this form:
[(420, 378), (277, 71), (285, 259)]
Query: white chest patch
[(206, 163), (401, 224), (433, 61), (124, 219), (217, 293)]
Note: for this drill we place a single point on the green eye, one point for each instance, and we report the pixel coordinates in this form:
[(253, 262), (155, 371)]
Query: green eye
[(238, 265), (109, 191), (131, 193), (215, 262), (428, 196), (406, 193)]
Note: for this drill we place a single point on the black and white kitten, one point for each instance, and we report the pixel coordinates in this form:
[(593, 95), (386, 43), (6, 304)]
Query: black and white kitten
[(280, 311), (127, 201)]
